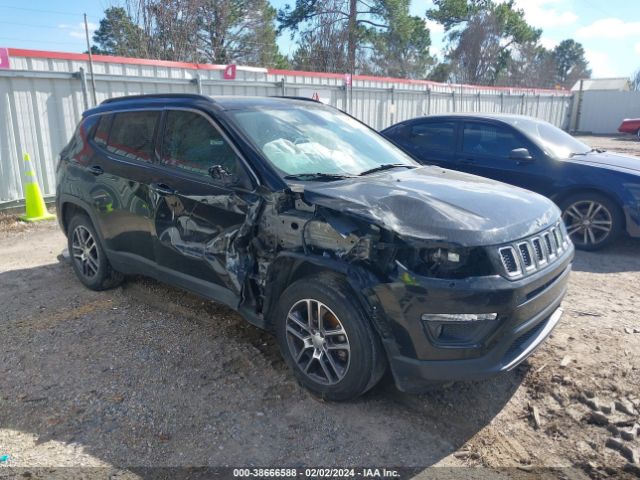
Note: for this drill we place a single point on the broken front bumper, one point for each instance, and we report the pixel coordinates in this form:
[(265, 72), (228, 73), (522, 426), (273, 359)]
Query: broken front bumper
[(420, 355)]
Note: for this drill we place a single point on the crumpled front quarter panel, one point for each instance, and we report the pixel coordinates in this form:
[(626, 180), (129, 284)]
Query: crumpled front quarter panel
[(430, 203)]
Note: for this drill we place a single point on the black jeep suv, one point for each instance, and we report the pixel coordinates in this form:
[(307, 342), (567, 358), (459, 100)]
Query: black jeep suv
[(312, 225)]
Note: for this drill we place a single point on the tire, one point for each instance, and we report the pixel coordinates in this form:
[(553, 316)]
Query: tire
[(638, 134), (593, 221), (87, 256), (317, 354)]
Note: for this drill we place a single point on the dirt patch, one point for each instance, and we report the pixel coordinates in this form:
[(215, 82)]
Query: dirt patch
[(628, 144), (147, 375)]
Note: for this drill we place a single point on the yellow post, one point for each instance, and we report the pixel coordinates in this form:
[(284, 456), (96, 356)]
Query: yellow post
[(34, 203)]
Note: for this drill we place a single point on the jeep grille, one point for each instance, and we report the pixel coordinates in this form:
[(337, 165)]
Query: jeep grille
[(531, 254)]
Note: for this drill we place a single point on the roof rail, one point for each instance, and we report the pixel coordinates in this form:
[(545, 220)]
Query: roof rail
[(157, 95), (291, 97)]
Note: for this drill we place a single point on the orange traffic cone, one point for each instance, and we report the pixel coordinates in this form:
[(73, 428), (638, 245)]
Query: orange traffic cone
[(34, 203)]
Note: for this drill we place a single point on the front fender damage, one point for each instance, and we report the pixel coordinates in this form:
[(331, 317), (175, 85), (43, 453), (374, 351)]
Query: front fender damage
[(283, 236)]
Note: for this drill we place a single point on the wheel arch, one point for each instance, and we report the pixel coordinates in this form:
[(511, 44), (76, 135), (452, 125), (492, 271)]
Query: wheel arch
[(289, 267), (70, 206), (69, 210), (564, 194)]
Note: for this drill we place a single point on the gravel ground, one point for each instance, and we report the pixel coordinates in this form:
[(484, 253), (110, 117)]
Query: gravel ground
[(147, 375), (627, 144)]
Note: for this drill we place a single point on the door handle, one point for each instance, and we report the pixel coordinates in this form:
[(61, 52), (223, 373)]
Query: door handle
[(95, 170), (162, 189)]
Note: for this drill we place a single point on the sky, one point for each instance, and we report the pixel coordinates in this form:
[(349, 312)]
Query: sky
[(609, 31)]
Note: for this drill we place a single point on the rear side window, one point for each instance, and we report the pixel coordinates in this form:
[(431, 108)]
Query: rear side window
[(102, 132), (434, 135), (193, 144), (132, 134), (493, 140)]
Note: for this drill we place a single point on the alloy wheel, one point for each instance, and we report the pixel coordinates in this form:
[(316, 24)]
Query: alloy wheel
[(318, 341), (588, 222), (85, 251)]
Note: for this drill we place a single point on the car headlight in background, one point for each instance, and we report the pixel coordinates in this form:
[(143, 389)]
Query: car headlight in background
[(634, 190)]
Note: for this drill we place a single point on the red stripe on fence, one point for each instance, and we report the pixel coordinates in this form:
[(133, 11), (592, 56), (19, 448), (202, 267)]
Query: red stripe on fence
[(82, 57)]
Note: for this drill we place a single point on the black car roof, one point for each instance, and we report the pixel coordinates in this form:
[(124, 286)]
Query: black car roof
[(500, 117), (219, 102)]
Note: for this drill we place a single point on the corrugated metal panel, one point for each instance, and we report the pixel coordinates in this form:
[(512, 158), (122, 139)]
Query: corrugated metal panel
[(41, 100), (39, 116), (618, 84), (603, 111)]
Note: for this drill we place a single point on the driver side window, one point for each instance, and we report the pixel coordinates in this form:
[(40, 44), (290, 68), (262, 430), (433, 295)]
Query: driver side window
[(490, 140), (434, 135), (191, 143)]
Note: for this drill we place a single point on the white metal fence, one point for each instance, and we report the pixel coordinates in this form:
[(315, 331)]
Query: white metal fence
[(43, 95)]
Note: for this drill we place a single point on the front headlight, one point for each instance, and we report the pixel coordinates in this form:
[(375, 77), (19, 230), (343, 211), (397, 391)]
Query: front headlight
[(441, 255), (455, 262)]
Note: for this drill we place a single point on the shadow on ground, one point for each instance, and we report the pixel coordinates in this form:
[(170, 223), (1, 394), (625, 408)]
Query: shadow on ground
[(147, 375), (623, 256), (626, 139)]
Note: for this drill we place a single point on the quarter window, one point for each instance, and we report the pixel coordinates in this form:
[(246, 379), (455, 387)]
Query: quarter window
[(491, 140), (132, 134), (193, 144), (102, 132)]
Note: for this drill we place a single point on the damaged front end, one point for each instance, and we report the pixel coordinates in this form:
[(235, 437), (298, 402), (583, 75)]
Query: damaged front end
[(433, 301), (467, 284), (293, 237)]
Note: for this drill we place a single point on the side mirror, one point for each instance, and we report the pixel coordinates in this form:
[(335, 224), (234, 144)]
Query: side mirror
[(218, 172), (521, 155), (225, 177)]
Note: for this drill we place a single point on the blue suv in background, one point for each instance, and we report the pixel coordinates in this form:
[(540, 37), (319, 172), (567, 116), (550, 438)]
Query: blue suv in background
[(597, 191)]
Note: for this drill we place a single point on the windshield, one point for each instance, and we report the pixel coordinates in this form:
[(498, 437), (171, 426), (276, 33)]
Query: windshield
[(316, 140), (553, 140)]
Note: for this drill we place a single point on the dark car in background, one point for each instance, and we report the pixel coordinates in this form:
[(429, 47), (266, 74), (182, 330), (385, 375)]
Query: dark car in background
[(597, 191), (315, 227)]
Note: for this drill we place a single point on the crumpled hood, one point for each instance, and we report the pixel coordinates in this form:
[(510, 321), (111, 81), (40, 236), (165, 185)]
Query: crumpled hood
[(430, 203), (611, 160)]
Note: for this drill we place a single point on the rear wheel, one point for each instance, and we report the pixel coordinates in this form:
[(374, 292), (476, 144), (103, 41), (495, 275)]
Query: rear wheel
[(592, 220), (638, 134), (326, 339), (87, 256)]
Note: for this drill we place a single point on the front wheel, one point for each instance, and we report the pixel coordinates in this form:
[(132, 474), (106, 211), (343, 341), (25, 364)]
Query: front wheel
[(592, 220), (326, 339)]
